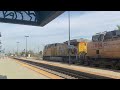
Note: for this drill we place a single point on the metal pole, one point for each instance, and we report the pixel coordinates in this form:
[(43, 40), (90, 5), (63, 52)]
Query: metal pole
[(69, 34), (38, 49), (13, 52), (26, 45), (17, 48)]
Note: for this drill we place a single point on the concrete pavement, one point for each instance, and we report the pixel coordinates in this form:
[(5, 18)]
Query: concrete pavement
[(9, 69)]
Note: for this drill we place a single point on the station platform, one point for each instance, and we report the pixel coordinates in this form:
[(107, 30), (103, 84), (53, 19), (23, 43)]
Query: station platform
[(10, 69), (102, 72)]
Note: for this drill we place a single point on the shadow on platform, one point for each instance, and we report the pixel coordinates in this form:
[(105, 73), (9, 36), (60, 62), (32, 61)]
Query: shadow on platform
[(3, 77)]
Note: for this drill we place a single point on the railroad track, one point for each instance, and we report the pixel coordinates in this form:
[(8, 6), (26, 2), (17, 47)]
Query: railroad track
[(62, 72)]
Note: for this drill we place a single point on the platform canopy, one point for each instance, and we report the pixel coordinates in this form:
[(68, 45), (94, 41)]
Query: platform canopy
[(35, 18)]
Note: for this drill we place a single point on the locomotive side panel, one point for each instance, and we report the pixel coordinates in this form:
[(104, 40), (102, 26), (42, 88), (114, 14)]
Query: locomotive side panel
[(62, 50), (95, 50), (112, 49), (107, 49)]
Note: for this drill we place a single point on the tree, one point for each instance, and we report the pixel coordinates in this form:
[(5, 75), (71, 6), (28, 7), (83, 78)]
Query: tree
[(22, 53), (40, 52), (118, 26), (31, 52)]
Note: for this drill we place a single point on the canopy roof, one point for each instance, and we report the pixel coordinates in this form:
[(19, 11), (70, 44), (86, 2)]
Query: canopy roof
[(35, 18)]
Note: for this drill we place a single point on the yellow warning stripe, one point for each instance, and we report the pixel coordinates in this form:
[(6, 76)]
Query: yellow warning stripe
[(52, 76)]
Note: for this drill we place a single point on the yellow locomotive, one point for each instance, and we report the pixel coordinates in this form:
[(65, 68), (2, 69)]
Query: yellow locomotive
[(104, 49), (105, 45), (61, 51), (58, 52)]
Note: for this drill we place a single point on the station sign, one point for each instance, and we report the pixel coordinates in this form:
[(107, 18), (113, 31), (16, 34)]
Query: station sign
[(70, 46)]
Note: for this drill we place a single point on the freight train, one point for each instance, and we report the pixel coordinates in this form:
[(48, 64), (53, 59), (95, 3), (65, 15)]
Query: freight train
[(103, 50), (62, 51)]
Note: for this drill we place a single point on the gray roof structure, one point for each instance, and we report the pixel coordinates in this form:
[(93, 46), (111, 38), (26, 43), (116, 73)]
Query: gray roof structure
[(35, 18)]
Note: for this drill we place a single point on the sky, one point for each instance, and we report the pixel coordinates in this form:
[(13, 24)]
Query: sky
[(84, 24)]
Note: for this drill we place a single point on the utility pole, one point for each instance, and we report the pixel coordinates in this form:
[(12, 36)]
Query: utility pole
[(13, 51), (69, 34), (38, 50), (0, 46), (17, 47), (26, 45)]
